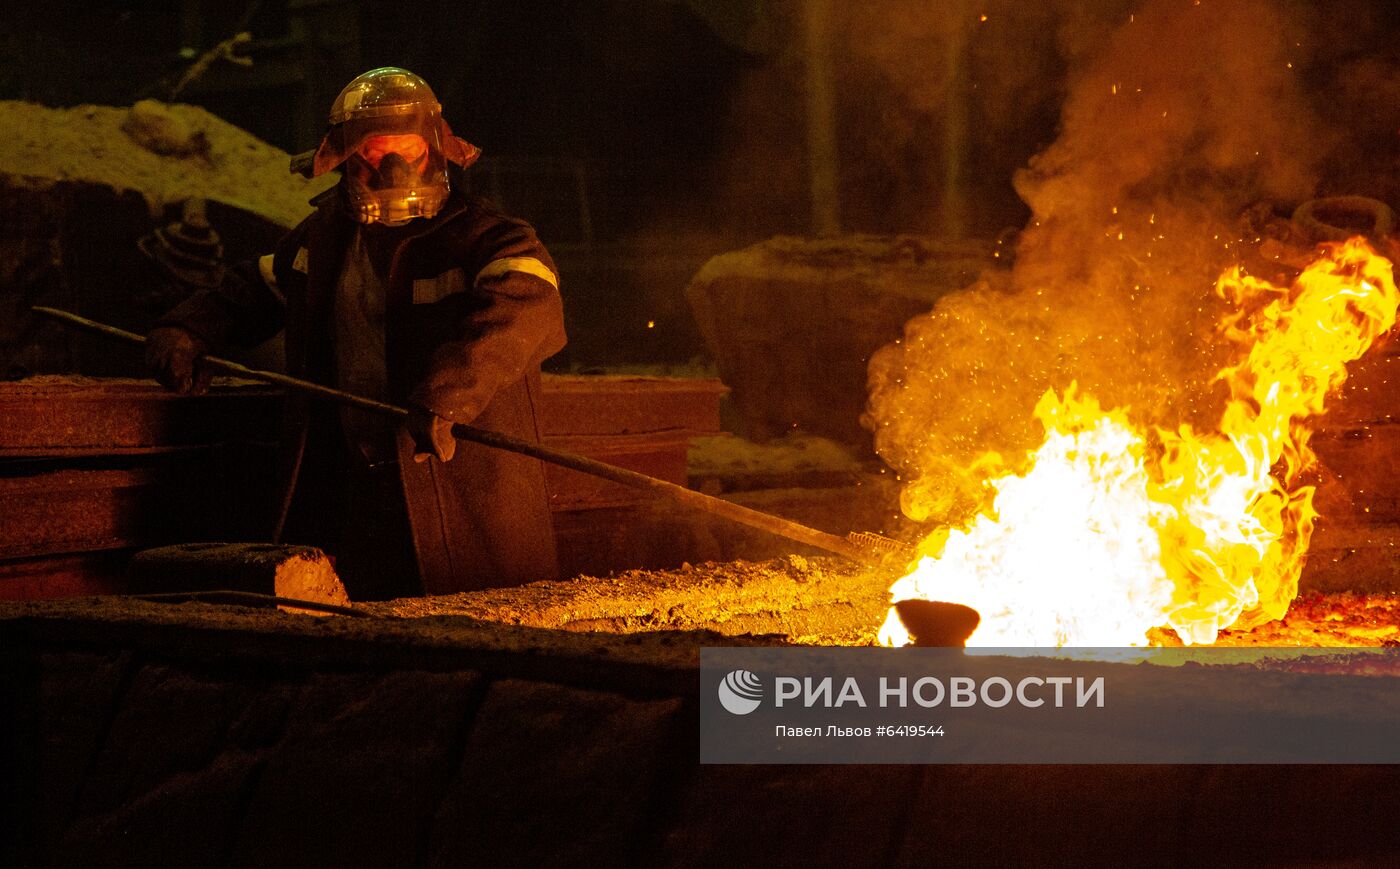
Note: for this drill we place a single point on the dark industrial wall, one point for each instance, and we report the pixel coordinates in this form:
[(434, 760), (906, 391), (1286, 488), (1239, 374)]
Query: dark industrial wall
[(644, 136), (142, 736)]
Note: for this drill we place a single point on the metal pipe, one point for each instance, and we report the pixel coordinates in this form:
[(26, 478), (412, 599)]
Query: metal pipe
[(698, 500), (823, 152)]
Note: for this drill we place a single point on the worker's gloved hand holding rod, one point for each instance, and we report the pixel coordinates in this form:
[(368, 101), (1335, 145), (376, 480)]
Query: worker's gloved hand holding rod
[(432, 435), (172, 355), (180, 364)]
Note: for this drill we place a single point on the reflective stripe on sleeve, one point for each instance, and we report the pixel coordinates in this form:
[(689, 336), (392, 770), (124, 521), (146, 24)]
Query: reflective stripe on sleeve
[(525, 264), (269, 277)]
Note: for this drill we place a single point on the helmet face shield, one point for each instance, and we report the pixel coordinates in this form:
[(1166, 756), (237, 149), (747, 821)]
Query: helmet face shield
[(388, 137), (394, 167)]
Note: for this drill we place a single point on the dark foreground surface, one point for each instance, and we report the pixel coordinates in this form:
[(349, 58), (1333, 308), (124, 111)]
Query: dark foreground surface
[(154, 734)]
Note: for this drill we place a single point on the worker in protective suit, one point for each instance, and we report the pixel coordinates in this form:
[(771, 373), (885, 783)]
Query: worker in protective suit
[(399, 287)]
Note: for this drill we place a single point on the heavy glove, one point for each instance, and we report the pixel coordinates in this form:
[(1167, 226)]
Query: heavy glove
[(432, 435), (172, 356)]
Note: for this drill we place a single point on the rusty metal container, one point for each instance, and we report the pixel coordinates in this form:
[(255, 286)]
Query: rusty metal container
[(641, 423), (1357, 542), (92, 468), (792, 322)]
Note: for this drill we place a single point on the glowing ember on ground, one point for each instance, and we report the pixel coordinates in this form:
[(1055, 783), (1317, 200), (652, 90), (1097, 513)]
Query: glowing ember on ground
[(1113, 529)]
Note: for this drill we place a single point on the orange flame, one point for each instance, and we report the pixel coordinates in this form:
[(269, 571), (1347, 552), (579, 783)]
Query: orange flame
[(1114, 529)]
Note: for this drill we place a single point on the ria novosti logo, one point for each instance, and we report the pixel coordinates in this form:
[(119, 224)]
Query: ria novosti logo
[(740, 692)]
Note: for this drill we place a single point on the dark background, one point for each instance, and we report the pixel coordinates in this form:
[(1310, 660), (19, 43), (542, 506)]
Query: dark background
[(640, 136), (643, 136)]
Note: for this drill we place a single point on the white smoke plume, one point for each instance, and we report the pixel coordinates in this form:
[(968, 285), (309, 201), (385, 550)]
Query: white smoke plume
[(1185, 122)]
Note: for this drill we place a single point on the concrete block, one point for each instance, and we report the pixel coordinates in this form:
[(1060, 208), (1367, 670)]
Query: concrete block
[(1070, 816), (165, 786), (791, 816), (358, 771), (553, 775)]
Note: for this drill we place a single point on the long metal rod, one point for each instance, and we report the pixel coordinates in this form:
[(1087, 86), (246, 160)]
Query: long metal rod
[(698, 500)]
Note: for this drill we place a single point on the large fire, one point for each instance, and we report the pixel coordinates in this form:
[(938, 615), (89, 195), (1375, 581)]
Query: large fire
[(1115, 529)]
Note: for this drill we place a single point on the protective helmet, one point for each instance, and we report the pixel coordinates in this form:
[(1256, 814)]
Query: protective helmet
[(389, 139)]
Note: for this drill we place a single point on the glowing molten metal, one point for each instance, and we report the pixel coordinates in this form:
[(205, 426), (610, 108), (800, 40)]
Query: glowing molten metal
[(1114, 529)]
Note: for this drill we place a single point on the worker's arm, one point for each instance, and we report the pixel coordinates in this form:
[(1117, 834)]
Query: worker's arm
[(517, 323), (245, 310)]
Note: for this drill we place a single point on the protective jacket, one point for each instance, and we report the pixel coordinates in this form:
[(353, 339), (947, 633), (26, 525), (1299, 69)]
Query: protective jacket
[(472, 308)]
